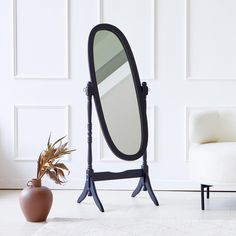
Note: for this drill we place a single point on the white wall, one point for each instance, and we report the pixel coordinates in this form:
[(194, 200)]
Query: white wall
[(185, 50)]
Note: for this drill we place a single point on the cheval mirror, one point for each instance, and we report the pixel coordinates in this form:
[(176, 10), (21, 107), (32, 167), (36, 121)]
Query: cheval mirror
[(120, 101)]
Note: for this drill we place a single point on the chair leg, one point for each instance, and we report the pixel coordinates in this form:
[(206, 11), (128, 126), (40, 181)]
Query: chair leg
[(202, 197), (208, 192), (203, 186)]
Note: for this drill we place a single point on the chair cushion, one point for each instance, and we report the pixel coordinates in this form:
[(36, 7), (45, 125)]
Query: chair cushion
[(204, 127), (212, 126), (213, 163)]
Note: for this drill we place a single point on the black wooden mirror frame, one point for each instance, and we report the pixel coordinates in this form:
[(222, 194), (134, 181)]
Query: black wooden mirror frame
[(141, 92), (138, 89)]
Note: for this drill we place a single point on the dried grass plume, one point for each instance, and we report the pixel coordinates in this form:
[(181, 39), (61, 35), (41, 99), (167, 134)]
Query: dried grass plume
[(49, 161)]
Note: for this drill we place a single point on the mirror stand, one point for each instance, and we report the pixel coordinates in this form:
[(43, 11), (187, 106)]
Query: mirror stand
[(91, 176)]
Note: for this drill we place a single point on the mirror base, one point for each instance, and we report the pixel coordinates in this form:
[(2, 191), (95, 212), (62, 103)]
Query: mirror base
[(90, 189), (145, 184)]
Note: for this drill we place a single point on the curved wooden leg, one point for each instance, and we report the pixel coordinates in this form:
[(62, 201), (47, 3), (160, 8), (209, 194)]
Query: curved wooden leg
[(95, 196), (84, 193), (138, 188), (90, 190), (146, 185), (150, 191)]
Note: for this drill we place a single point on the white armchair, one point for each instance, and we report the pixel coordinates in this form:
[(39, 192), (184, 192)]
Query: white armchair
[(212, 151)]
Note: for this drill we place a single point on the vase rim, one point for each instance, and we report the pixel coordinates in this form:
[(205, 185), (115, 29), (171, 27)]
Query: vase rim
[(34, 183)]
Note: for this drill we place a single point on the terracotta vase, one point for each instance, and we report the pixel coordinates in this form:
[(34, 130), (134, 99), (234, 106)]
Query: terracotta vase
[(36, 201)]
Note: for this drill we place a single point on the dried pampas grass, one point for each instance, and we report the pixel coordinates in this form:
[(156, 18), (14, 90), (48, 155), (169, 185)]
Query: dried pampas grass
[(49, 161)]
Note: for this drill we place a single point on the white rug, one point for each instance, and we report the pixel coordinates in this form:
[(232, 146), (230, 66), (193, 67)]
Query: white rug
[(133, 227)]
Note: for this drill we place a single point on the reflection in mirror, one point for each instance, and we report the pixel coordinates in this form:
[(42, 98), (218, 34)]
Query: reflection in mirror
[(117, 92)]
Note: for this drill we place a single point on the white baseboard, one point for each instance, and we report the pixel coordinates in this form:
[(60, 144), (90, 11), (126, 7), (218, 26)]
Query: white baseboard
[(124, 184)]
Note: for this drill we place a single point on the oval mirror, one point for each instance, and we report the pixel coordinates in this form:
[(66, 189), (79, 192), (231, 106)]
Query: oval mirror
[(118, 93)]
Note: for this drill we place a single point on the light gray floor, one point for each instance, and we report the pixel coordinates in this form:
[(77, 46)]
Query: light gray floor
[(117, 204)]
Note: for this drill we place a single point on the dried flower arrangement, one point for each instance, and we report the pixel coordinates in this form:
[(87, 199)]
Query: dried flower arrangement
[(49, 161)]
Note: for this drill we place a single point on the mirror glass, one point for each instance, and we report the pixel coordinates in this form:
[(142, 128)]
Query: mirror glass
[(117, 92)]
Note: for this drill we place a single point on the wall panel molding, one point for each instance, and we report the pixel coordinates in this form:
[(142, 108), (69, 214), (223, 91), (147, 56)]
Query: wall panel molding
[(150, 75), (33, 130), (204, 77), (187, 76), (187, 114), (65, 51)]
